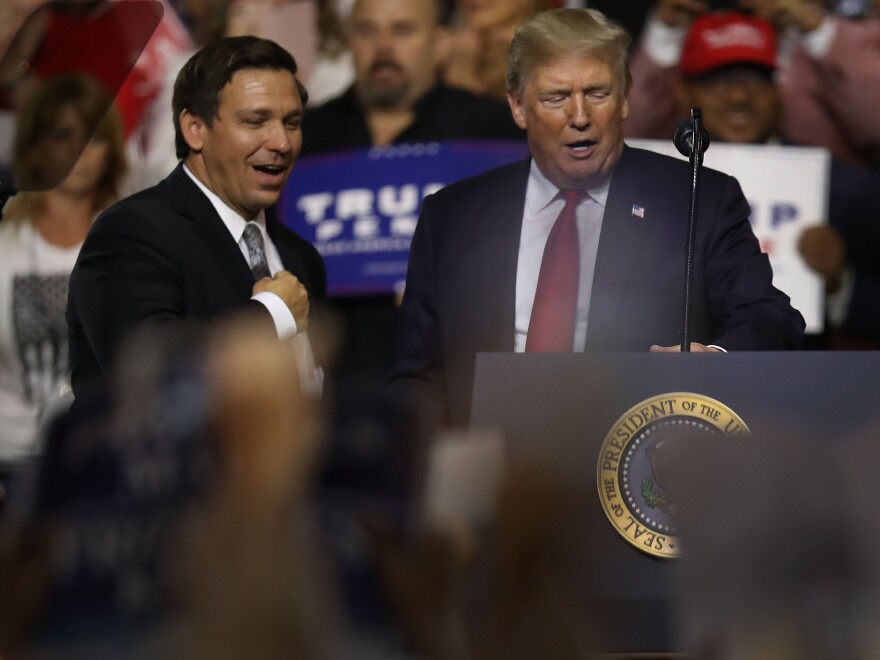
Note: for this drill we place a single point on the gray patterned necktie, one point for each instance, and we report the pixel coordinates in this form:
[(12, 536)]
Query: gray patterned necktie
[(253, 238)]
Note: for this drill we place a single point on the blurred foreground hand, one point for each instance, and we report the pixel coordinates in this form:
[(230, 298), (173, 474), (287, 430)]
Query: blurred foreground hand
[(248, 581)]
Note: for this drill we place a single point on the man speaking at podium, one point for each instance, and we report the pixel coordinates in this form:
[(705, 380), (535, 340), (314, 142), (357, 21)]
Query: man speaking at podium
[(580, 247)]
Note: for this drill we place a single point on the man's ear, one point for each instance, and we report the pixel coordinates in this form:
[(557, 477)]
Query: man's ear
[(516, 107), (193, 129)]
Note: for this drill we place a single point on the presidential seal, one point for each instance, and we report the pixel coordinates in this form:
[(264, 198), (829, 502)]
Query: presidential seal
[(634, 469)]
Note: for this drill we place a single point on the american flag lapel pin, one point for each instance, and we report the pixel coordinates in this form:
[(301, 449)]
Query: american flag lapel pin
[(638, 211)]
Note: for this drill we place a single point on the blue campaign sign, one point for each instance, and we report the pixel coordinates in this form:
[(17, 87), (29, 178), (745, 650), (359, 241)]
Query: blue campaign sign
[(359, 208)]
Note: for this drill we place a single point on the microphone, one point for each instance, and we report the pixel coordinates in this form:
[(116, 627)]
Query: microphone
[(684, 138), (687, 133)]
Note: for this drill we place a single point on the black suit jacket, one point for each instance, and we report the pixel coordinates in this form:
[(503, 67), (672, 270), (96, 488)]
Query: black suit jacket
[(461, 285), (157, 258)]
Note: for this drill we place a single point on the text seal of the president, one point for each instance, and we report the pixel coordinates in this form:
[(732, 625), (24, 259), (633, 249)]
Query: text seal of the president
[(633, 468)]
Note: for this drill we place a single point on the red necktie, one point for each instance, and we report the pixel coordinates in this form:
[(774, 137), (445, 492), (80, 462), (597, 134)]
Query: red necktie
[(551, 327)]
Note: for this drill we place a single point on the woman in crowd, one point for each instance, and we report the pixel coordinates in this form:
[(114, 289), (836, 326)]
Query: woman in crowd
[(69, 159)]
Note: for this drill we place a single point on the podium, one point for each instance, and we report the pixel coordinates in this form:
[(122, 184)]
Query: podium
[(571, 410)]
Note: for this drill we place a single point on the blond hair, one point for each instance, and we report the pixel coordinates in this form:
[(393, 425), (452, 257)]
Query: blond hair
[(557, 33)]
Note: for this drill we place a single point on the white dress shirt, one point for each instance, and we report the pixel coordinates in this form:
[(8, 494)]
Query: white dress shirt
[(285, 324), (311, 375)]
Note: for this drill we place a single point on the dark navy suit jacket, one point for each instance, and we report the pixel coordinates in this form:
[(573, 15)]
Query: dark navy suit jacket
[(461, 285)]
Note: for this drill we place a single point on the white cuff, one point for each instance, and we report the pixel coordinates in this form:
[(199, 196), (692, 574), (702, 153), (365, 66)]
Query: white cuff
[(662, 43), (285, 324), (311, 376), (723, 350)]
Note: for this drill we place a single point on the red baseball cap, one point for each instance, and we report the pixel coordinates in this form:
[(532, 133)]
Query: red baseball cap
[(719, 39)]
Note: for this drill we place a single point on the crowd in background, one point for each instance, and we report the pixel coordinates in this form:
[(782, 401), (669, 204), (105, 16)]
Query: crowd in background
[(820, 86)]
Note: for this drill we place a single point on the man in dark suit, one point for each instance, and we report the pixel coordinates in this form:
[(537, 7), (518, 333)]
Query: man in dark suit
[(197, 246), (493, 269)]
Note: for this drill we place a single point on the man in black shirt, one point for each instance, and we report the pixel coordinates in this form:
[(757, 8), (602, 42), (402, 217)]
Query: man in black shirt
[(397, 96), (442, 113)]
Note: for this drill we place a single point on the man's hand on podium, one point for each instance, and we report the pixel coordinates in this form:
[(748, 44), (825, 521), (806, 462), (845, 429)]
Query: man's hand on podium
[(695, 348)]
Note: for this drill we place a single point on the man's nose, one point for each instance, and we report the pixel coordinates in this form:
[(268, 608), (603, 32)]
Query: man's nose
[(737, 92), (278, 138), (384, 41), (579, 113)]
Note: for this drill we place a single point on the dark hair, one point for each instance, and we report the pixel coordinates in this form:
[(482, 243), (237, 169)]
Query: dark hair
[(331, 30), (199, 82)]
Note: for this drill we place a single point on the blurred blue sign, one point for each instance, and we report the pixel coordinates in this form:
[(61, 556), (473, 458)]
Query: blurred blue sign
[(360, 208)]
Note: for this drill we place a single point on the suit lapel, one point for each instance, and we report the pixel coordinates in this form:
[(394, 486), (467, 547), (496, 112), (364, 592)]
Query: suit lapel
[(621, 242), (496, 288), (210, 231)]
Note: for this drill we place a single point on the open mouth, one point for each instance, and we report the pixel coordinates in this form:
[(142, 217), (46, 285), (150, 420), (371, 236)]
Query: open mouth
[(739, 118), (385, 69), (271, 170), (272, 174), (582, 147)]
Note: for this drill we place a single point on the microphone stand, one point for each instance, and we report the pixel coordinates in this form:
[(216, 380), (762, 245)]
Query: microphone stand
[(696, 160)]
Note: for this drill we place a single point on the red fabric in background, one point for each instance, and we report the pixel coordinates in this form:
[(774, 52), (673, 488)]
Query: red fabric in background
[(108, 43)]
